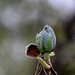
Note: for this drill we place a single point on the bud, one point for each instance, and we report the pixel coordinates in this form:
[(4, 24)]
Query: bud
[(46, 40)]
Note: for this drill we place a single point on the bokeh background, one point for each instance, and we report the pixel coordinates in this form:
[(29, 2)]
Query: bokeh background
[(21, 20)]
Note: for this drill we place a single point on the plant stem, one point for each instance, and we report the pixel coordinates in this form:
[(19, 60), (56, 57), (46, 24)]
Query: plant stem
[(38, 69), (53, 71), (47, 59)]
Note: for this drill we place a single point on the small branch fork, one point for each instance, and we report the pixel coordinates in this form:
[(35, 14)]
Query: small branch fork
[(46, 64), (53, 71)]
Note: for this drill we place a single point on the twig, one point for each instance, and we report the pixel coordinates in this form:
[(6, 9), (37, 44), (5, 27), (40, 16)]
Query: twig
[(53, 71)]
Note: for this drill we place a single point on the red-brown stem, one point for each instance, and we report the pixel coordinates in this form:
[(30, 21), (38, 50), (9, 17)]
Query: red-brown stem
[(53, 71)]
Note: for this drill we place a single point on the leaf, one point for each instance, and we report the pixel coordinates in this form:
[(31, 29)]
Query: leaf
[(49, 44), (44, 64), (38, 42), (52, 54)]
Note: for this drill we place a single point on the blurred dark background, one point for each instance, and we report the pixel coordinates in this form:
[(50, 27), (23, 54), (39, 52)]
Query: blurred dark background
[(21, 20)]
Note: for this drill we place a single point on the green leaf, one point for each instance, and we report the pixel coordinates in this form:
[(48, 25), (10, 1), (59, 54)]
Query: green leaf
[(43, 63), (38, 42), (49, 44), (52, 54)]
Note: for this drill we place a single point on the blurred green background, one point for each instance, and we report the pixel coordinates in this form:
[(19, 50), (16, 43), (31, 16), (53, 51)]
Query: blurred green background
[(21, 20)]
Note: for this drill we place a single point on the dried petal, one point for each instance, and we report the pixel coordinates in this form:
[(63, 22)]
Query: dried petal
[(32, 51)]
